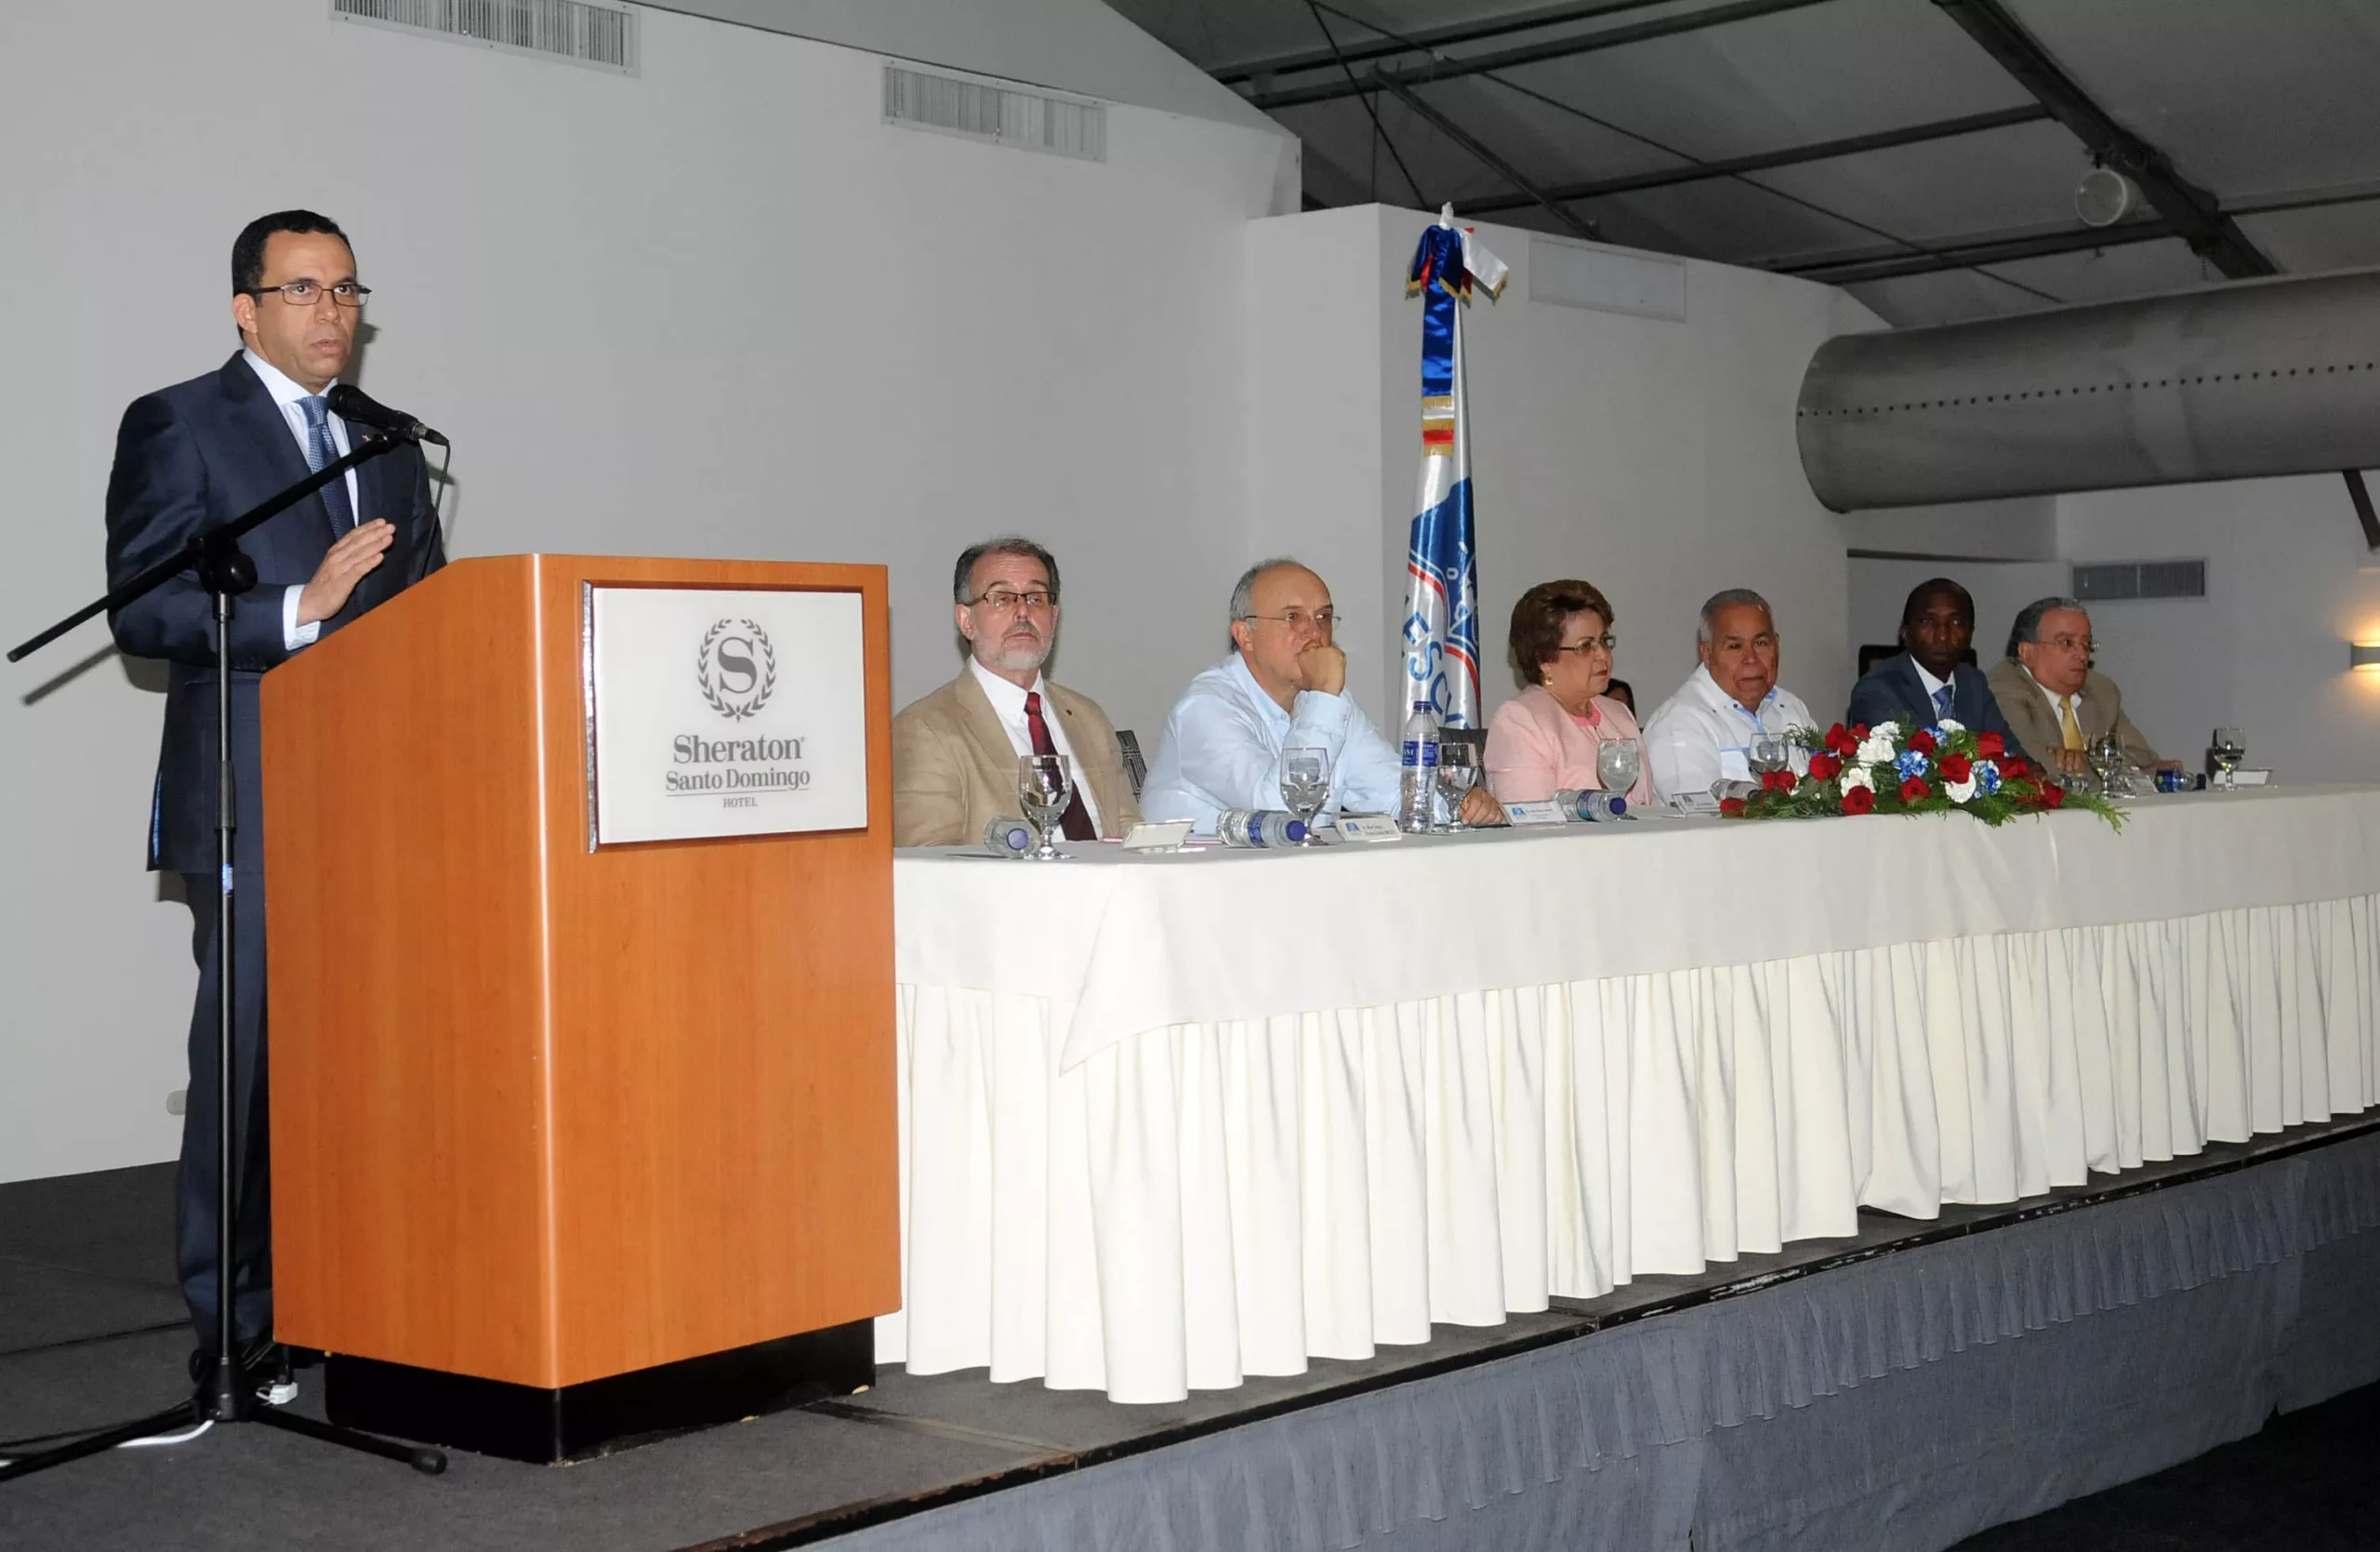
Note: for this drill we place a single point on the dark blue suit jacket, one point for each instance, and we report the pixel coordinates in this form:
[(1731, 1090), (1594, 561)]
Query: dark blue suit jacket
[(1892, 692), (187, 458)]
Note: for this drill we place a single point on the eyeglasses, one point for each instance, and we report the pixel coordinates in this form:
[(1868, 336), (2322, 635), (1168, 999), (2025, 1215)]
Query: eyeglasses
[(1003, 602), (2082, 644), (1604, 643), (304, 293), (1324, 620)]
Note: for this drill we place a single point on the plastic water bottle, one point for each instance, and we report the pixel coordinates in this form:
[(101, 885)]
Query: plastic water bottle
[(1414, 807), (1590, 803), (1259, 826), (1009, 836)]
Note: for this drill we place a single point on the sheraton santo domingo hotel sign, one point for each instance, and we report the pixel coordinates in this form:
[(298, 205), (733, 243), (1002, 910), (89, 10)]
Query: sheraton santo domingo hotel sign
[(722, 712)]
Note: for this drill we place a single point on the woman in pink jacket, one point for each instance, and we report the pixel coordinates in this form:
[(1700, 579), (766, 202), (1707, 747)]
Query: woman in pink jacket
[(1546, 737)]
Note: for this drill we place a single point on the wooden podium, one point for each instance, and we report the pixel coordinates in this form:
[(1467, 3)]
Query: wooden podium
[(570, 1140)]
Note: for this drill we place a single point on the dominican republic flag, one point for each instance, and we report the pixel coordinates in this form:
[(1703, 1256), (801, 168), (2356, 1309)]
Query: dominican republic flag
[(1442, 593)]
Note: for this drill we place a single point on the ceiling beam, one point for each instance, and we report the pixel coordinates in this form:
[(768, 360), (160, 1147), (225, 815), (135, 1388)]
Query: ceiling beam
[(1938, 257), (2190, 210), (1577, 226), (1358, 82), (1731, 166), (1428, 38)]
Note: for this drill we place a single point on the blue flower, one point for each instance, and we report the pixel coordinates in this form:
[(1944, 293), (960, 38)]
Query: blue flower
[(1987, 777), (1911, 763)]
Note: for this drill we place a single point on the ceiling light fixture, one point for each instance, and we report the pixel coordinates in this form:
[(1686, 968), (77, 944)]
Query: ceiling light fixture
[(2103, 197), (2363, 655)]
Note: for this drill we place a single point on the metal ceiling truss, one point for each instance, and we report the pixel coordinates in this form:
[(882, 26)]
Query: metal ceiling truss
[(1576, 225), (1424, 40), (2190, 210), (1356, 81), (1730, 166)]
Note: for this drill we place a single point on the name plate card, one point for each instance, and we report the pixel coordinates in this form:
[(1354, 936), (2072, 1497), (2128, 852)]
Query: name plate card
[(1367, 827), (716, 713), (1545, 812)]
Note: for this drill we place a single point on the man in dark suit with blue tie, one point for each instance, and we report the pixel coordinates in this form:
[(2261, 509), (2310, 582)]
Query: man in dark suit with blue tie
[(187, 459), (1932, 680)]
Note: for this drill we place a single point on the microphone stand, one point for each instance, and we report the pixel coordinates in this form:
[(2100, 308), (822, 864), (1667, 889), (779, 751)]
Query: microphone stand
[(226, 571)]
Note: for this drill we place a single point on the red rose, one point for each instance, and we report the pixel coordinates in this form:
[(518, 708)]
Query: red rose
[(1914, 789), (1922, 741), (2053, 795), (1825, 767), (1860, 801), (1777, 781), (1956, 767), (1840, 740), (1731, 806), (1991, 745), (2012, 767), (1858, 734)]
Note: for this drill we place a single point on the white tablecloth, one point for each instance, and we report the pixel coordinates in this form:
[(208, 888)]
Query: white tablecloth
[(1171, 1120)]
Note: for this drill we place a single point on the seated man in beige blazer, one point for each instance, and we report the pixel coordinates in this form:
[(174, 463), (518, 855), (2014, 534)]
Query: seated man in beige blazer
[(2057, 703), (955, 751)]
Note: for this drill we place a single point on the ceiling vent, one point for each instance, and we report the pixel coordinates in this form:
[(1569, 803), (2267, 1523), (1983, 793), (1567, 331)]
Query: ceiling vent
[(597, 33), (1002, 115), (2123, 579)]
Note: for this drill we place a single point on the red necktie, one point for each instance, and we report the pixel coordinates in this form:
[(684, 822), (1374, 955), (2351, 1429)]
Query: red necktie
[(1076, 821)]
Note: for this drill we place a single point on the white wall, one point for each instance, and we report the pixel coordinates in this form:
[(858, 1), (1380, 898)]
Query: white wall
[(2289, 584), (718, 309), (1654, 459)]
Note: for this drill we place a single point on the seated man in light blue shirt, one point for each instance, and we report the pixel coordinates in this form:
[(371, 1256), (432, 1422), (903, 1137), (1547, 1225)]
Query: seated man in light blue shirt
[(1285, 687)]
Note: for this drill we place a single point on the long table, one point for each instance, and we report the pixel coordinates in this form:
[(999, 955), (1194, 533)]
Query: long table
[(1169, 1121)]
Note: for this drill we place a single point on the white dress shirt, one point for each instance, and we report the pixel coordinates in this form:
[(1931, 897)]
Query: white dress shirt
[(285, 393), (1008, 705), (1702, 735), (1222, 742)]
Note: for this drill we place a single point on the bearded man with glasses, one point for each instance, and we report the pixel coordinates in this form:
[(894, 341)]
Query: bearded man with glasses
[(187, 459), (955, 750)]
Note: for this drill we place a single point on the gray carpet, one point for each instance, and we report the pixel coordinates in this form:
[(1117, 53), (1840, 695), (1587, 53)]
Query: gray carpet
[(85, 1278)]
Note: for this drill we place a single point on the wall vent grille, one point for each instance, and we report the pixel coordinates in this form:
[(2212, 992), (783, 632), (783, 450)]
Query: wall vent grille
[(591, 33), (2124, 579), (1002, 115)]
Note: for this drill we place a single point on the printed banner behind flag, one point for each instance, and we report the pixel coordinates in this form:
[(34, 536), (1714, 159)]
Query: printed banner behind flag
[(1442, 589)]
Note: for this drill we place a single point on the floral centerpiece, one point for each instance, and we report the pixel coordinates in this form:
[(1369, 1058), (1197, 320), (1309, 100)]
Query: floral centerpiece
[(1947, 769)]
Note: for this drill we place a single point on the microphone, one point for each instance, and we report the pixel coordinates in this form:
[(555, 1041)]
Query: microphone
[(353, 403)]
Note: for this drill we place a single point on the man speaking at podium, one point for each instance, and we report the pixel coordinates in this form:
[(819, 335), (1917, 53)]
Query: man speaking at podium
[(189, 457)]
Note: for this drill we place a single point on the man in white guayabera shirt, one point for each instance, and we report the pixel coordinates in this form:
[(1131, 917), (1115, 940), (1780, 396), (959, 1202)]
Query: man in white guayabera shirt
[(1705, 731), (1284, 686)]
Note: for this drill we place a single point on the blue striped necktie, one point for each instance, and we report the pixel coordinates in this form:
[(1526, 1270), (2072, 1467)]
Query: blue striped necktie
[(322, 451), (1943, 700)]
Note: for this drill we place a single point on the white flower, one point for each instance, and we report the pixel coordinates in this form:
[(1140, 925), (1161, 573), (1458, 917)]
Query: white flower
[(1876, 748), (1946, 725), (1887, 731), (1855, 776), (1958, 791)]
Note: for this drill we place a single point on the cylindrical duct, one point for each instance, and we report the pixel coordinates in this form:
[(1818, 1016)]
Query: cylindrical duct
[(2256, 378)]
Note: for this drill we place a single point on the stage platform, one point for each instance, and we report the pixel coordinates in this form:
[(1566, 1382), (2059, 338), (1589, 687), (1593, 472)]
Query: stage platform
[(1904, 1388)]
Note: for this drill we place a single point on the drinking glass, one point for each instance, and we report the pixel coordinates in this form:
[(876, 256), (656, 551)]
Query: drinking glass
[(2107, 763), (1045, 784), (1305, 785), (1618, 763), (2231, 747), (1458, 774), (1767, 754)]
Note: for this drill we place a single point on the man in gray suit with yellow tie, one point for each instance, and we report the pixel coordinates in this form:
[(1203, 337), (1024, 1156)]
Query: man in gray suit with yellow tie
[(2056, 700), (955, 751)]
